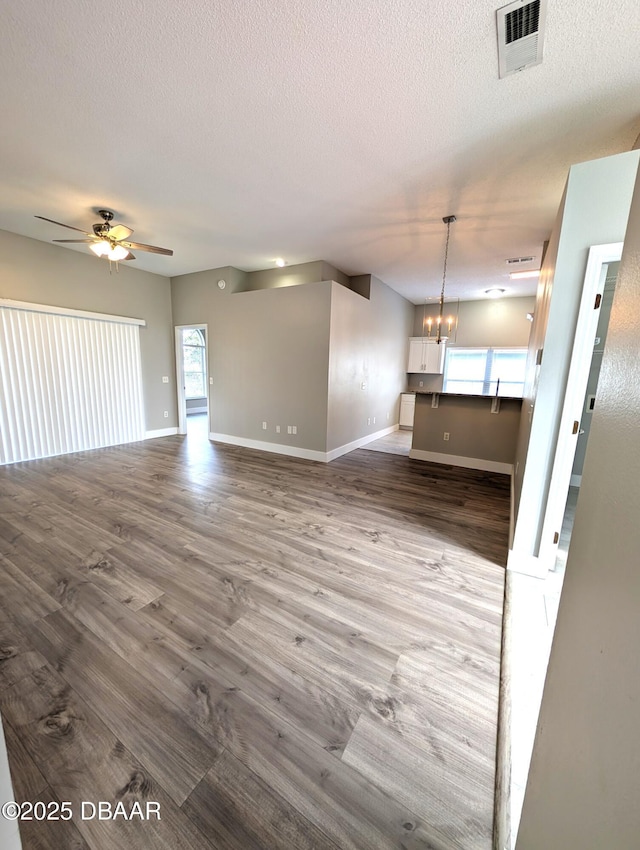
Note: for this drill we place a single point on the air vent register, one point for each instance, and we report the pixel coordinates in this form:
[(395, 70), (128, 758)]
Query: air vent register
[(520, 35)]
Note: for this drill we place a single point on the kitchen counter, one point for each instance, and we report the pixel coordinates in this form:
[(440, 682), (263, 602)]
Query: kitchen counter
[(466, 430), (414, 391)]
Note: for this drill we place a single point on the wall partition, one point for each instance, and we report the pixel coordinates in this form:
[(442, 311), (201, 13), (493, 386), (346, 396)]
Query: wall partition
[(69, 381)]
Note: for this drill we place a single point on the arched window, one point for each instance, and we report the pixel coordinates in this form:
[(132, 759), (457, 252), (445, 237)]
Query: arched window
[(195, 368)]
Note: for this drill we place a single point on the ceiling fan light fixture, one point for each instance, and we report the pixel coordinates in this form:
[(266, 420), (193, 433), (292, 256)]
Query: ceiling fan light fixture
[(107, 241), (118, 252), (101, 249)]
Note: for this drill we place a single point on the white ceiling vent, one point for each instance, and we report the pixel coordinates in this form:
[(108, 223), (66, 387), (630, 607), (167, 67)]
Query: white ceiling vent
[(520, 35), (514, 261)]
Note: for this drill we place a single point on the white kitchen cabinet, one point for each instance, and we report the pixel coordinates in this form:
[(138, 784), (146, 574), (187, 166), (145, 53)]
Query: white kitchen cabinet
[(426, 356), (407, 409)]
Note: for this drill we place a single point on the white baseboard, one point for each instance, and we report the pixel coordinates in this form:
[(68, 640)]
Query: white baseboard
[(160, 432), (459, 460), (263, 446), (361, 441), (576, 481), (295, 451), (196, 410)]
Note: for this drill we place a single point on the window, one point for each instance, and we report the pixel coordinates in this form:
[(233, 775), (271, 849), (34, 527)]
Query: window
[(193, 357), (482, 371)]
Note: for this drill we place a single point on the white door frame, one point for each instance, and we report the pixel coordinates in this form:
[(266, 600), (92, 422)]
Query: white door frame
[(182, 401), (599, 257)]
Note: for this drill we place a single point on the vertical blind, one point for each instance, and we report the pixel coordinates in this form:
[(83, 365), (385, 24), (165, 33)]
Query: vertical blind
[(67, 382)]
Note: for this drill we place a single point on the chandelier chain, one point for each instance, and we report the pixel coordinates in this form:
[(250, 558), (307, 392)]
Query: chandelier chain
[(446, 257), (448, 220)]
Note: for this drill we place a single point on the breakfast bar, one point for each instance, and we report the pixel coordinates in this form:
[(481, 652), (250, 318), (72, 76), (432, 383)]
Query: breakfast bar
[(475, 431)]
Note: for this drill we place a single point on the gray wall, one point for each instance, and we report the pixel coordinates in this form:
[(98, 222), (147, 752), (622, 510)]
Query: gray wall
[(594, 211), (293, 276), (486, 323), (585, 774), (369, 341), (268, 356), (31, 270), (235, 279), (474, 431)]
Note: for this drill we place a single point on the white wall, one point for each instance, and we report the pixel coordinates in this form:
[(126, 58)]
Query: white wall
[(584, 782), (595, 210)]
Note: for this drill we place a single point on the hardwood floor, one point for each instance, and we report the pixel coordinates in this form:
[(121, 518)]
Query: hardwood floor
[(396, 443), (285, 655)]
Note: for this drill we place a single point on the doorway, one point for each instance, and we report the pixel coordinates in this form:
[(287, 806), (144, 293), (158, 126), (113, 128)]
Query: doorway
[(584, 369), (533, 600), (193, 381)]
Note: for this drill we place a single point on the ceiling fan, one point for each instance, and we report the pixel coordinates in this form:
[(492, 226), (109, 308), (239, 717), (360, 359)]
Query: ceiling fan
[(109, 240)]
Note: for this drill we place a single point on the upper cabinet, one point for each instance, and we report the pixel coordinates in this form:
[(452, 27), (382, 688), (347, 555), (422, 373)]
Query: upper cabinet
[(426, 356)]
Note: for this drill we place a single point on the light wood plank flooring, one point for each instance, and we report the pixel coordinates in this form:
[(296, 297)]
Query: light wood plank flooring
[(396, 443), (285, 655)]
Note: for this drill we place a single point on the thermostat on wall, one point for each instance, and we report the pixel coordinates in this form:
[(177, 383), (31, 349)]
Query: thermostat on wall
[(222, 284)]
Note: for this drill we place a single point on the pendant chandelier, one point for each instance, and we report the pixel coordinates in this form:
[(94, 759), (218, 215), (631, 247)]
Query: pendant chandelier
[(448, 220)]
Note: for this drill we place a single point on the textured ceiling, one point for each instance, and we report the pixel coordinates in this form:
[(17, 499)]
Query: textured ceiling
[(235, 133)]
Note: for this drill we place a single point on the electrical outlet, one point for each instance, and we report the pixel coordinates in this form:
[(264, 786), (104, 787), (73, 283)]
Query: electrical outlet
[(446, 435), (374, 420), (294, 429), (166, 414), (165, 379), (277, 429), (211, 381), (289, 431), (264, 426), (369, 421), (422, 383), (363, 385)]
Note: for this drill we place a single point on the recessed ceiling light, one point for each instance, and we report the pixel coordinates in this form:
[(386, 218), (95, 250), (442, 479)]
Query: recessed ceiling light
[(494, 293), (520, 275), (280, 262)]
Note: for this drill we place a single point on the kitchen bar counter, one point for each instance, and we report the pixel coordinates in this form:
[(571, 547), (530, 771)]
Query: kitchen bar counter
[(466, 430), (414, 391)]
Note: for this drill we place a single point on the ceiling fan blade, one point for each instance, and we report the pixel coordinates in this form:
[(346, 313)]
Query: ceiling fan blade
[(151, 248), (62, 225), (119, 232), (74, 240)]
